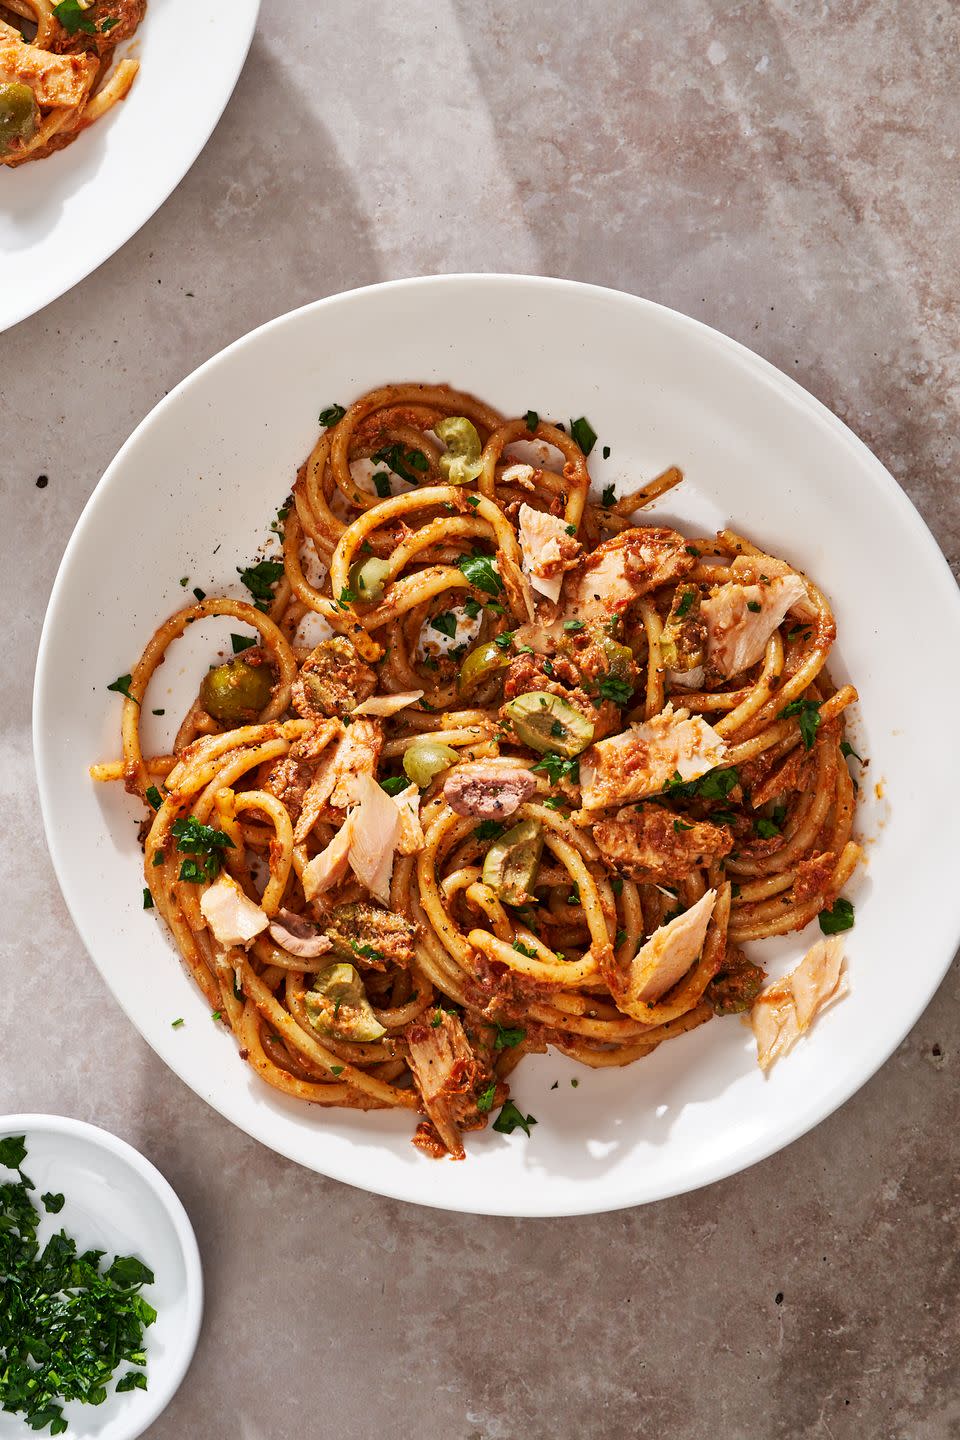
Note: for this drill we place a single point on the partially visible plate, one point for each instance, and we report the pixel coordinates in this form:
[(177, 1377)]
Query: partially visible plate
[(192, 493), (62, 216), (116, 1201)]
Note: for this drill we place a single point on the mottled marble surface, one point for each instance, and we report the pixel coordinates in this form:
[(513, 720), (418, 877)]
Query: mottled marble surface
[(786, 172)]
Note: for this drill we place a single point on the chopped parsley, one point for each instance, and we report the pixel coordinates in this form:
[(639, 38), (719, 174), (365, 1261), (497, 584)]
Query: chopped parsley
[(158, 712), (472, 608), (66, 1324), (331, 416), (522, 949), (154, 797), (481, 572), (612, 687), (503, 641), (216, 1014), (767, 829), (681, 825), (261, 578), (445, 623), (606, 452), (715, 785), (175, 1024), (808, 718), (838, 917), (393, 784), (616, 885), (485, 1097), (122, 687), (558, 767), (609, 496), (846, 750), (532, 420), (347, 596), (195, 839), (755, 606), (489, 830), (573, 626), (583, 433), (200, 594), (381, 483), (402, 462), (507, 1037), (73, 17), (242, 642), (336, 1069), (367, 951), (510, 1119), (147, 898)]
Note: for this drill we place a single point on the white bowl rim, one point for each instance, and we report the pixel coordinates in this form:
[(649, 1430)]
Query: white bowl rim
[(163, 1392), (948, 934)]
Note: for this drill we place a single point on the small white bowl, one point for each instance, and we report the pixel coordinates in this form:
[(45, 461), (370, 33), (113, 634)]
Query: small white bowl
[(118, 1202)]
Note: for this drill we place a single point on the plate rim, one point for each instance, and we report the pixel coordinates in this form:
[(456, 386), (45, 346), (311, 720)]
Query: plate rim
[(191, 154), (100, 1139), (789, 389)]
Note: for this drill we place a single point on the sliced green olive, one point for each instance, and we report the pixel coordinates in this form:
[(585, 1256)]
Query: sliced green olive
[(546, 722), (683, 637), (619, 658), (425, 759), (481, 663), (510, 866), (368, 577), (338, 1005), (460, 464), (238, 690), (18, 115)]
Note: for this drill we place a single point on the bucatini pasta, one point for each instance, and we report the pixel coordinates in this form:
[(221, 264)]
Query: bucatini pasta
[(544, 775)]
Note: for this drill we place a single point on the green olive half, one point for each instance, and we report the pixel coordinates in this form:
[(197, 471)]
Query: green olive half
[(460, 464), (18, 115), (510, 866), (238, 690), (482, 662), (338, 1005), (425, 759), (546, 722)]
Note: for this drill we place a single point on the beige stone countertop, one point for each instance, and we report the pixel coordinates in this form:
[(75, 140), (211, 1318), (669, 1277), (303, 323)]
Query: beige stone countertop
[(787, 172)]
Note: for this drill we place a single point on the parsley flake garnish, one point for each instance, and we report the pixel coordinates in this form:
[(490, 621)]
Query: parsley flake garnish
[(510, 1119), (609, 496), (331, 416), (838, 917), (195, 839), (393, 784), (402, 462), (573, 626), (846, 750), (261, 578), (808, 719), (147, 898), (445, 623), (583, 433), (73, 17), (489, 830), (154, 797), (485, 1097), (242, 642), (381, 483), (507, 1037), (122, 687), (755, 606), (558, 767), (481, 572), (612, 687), (532, 420)]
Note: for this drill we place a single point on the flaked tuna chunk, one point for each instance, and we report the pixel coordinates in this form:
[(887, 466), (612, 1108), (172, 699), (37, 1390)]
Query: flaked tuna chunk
[(337, 776), (642, 759), (623, 568), (376, 834), (664, 959), (749, 568), (231, 915), (411, 830), (547, 548), (783, 1011), (56, 80), (490, 792), (448, 1076), (741, 618), (330, 866), (645, 843)]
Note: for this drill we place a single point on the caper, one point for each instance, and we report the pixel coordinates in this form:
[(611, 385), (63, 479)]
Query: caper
[(460, 463), (238, 690), (510, 865), (368, 577), (546, 722), (481, 663), (338, 1005), (18, 115), (425, 759)]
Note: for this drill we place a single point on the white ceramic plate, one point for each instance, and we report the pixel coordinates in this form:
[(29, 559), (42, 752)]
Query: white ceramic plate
[(62, 216), (191, 494), (118, 1202)]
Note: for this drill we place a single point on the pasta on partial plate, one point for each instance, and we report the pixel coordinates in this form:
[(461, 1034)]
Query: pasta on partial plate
[(493, 767), (56, 70)]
